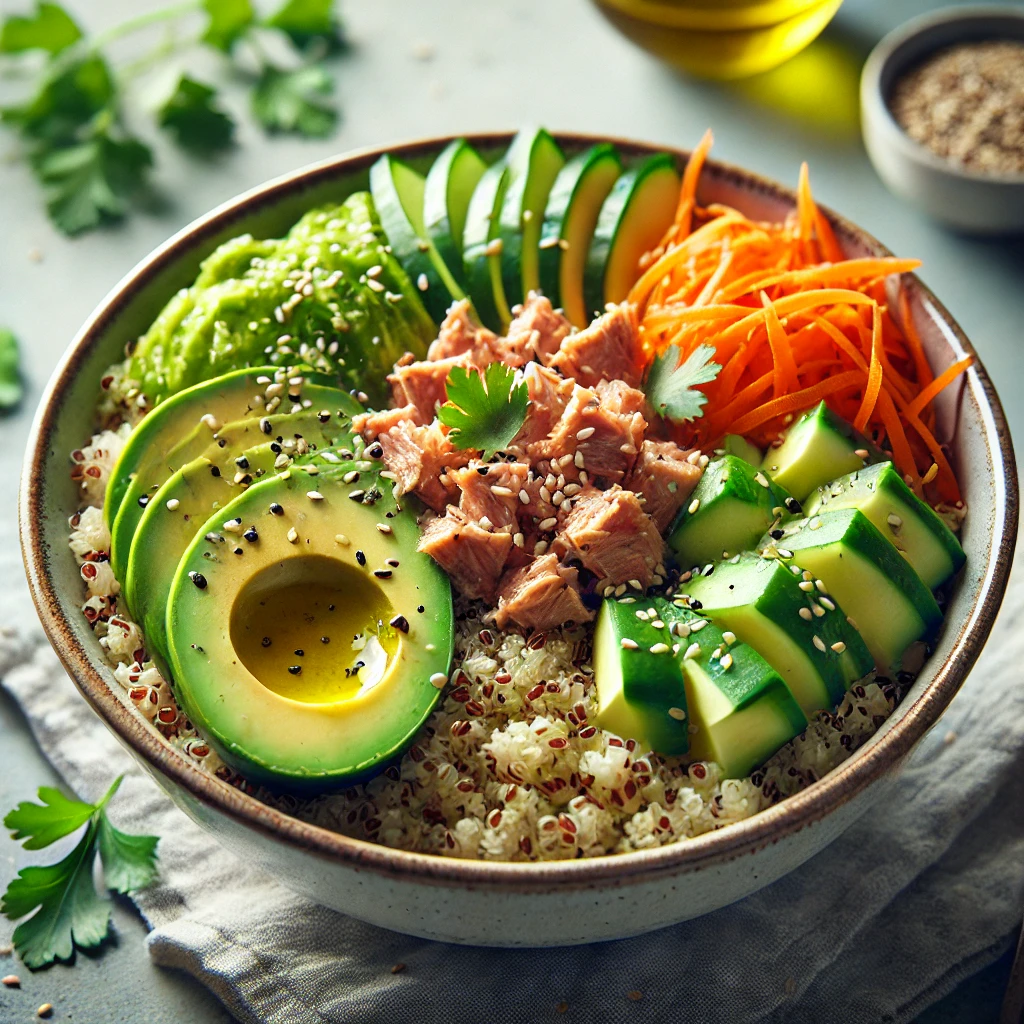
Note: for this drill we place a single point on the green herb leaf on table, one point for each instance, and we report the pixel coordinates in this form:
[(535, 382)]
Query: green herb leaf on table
[(484, 411), (69, 912), (50, 28), (194, 119), (672, 382), (294, 101), (308, 21), (11, 386), (229, 20)]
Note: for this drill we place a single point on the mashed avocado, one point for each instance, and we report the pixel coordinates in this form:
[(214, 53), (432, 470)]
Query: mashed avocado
[(328, 293)]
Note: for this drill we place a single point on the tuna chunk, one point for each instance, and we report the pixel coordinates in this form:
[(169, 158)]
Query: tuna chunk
[(609, 349), (665, 479), (549, 395), (619, 397), (422, 384), (370, 424), (609, 534), (491, 491), (540, 595), (460, 335), (472, 556), (536, 332), (420, 458)]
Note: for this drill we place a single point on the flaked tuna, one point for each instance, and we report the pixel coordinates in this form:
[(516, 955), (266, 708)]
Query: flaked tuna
[(422, 384), (619, 397), (609, 349), (370, 424), (540, 595), (460, 334), (420, 458), (489, 492), (473, 557), (549, 394), (665, 478), (609, 534), (535, 333)]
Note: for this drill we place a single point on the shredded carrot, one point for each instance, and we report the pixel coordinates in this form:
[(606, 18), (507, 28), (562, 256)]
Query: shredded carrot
[(793, 322)]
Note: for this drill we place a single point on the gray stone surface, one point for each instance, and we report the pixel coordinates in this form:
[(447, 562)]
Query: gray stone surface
[(420, 68)]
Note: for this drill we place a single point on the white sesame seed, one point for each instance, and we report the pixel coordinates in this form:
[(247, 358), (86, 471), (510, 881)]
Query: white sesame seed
[(314, 496), (620, 590), (629, 645), (931, 474), (342, 540), (760, 478), (545, 494), (861, 453), (571, 489), (578, 460), (821, 586), (785, 553), (849, 619), (839, 647), (677, 713), (693, 458), (547, 524), (519, 540), (805, 585), (540, 547), (657, 624), (582, 435), (693, 506), (422, 283), (729, 637), (681, 629), (502, 492), (692, 651), (233, 526), (636, 584), (659, 648), (818, 642), (726, 662), (583, 477), (486, 523), (384, 527), (172, 504), (438, 679), (894, 520), (375, 284), (493, 247), (524, 497), (697, 625), (703, 461), (830, 605), (806, 613), (210, 421), (818, 610), (292, 536)]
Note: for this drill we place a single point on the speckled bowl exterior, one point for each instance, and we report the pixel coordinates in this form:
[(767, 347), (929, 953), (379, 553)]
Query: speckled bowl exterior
[(506, 904), (970, 202)]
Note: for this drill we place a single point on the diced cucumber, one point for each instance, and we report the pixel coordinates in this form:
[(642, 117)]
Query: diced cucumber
[(899, 515), (639, 686), (861, 570), (449, 187), (740, 709), (534, 160), (632, 221), (731, 506), (481, 250), (733, 444), (818, 447), (398, 195), (570, 217), (762, 602)]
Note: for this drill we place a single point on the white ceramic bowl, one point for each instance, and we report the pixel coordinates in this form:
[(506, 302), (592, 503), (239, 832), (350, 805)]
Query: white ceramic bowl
[(965, 200), (502, 903)]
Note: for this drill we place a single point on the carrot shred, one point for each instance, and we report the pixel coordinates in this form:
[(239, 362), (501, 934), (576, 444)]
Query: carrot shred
[(943, 380), (786, 378), (688, 191), (874, 383)]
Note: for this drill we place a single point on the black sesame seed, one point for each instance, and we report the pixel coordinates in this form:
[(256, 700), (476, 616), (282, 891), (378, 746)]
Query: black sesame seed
[(276, 509), (696, 605), (266, 641), (144, 501), (383, 574), (275, 447), (330, 607), (793, 506), (325, 639), (376, 450), (299, 653), (251, 535), (246, 480), (215, 471), (239, 551), (295, 669), (777, 534), (483, 470), (222, 442), (421, 609), (357, 495), (323, 416), (198, 579), (361, 558), (214, 538), (400, 622), (242, 462)]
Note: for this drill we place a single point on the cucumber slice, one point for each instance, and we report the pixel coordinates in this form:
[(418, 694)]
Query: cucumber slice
[(632, 220), (570, 217), (733, 444), (639, 686), (450, 183), (534, 161), (899, 515), (481, 250), (397, 192)]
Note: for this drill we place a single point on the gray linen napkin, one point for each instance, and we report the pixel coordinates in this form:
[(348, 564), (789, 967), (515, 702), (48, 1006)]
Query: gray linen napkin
[(920, 893)]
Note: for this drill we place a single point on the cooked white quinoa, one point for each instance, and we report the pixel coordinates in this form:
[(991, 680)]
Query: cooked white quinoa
[(509, 766)]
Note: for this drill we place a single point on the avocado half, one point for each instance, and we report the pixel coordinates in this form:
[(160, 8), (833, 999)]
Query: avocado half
[(307, 637)]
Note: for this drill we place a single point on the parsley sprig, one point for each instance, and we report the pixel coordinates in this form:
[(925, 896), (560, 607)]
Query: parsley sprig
[(69, 912), (484, 412), (672, 382), (73, 122)]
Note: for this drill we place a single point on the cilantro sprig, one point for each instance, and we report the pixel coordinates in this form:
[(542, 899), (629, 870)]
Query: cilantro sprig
[(484, 412), (672, 382), (73, 121), (69, 913), (11, 386)]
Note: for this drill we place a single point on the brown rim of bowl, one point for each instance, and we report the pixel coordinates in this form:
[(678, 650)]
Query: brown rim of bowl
[(762, 829)]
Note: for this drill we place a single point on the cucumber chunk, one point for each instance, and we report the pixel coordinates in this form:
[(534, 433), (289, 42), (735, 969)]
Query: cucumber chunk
[(449, 187), (733, 444)]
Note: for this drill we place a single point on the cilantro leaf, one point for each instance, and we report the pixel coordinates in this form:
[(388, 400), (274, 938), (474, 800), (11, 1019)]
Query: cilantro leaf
[(11, 387), (484, 412), (51, 28), (293, 101), (229, 21), (672, 380), (308, 21), (62, 899), (88, 182), (45, 823), (194, 119)]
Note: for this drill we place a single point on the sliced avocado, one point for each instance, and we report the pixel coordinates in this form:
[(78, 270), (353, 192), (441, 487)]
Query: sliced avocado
[(917, 533), (450, 183), (570, 217), (853, 562), (179, 432), (795, 629), (534, 160), (818, 447), (632, 221), (312, 659), (638, 677), (398, 195), (481, 249), (740, 709), (731, 506), (733, 444)]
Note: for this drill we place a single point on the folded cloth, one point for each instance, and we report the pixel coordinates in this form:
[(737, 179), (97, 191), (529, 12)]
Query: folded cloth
[(923, 891)]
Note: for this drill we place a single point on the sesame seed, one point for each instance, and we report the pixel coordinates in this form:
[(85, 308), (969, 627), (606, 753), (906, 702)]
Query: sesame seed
[(493, 247), (233, 526), (697, 625), (677, 713), (172, 504), (658, 624), (265, 425), (519, 540), (659, 648), (629, 645), (502, 492), (314, 496), (342, 540), (547, 524), (805, 613), (785, 553), (681, 629), (211, 421), (11, 981), (726, 662), (524, 497), (839, 647), (692, 651), (805, 585), (375, 284), (693, 457), (438, 679), (729, 637), (422, 283), (693, 506), (578, 460), (894, 520), (821, 587), (830, 605), (931, 474), (400, 622), (540, 547), (582, 435), (760, 478), (198, 579), (818, 642), (383, 574), (861, 453), (292, 536), (384, 528), (849, 619), (815, 524), (818, 610)]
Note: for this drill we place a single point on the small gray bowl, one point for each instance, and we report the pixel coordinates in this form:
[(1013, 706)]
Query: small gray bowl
[(965, 200)]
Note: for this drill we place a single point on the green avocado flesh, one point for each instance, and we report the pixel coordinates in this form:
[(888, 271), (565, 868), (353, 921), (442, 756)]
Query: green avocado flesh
[(307, 661), (863, 571), (244, 308), (760, 600), (819, 447), (917, 533), (640, 690), (733, 504), (178, 431)]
